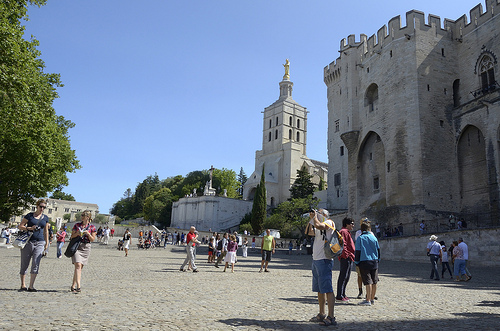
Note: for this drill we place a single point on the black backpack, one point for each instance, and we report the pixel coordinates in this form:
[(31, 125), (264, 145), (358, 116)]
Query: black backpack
[(219, 245)]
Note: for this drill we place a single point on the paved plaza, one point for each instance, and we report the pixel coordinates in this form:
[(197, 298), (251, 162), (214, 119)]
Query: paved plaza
[(147, 291)]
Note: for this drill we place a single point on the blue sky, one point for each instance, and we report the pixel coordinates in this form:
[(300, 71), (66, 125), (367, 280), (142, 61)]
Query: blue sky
[(170, 87)]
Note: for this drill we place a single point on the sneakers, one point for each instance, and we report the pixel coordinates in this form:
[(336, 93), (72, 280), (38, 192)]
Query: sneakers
[(344, 299), (372, 302), (195, 270), (365, 303)]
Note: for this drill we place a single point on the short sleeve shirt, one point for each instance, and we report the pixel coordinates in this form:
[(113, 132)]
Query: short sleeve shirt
[(319, 241), (90, 228), (42, 222), (434, 247)]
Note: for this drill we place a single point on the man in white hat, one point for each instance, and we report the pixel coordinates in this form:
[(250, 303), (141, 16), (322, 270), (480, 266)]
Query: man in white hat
[(434, 252)]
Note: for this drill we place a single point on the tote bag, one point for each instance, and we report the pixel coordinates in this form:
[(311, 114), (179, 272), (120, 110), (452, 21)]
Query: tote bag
[(22, 239), (73, 246)]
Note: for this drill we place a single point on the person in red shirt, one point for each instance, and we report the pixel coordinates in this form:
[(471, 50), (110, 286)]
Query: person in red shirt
[(191, 240), (346, 259)]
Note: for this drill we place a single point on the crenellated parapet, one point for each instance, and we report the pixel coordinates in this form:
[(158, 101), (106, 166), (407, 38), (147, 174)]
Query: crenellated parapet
[(415, 24), (478, 16)]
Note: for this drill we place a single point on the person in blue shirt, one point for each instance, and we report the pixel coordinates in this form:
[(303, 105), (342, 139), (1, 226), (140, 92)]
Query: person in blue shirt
[(366, 257)]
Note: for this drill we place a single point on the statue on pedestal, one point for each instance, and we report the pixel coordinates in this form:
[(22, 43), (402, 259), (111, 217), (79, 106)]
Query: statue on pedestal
[(209, 190), (287, 70)]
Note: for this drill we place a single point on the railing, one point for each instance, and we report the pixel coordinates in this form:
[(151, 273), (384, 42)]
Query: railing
[(484, 90)]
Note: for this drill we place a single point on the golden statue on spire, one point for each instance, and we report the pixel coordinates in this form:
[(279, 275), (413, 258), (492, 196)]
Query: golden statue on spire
[(287, 70)]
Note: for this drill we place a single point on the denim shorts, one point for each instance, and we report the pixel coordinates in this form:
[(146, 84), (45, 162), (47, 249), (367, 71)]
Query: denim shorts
[(322, 276)]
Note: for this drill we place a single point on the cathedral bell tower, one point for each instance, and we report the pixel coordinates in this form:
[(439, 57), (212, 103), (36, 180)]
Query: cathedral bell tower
[(285, 121)]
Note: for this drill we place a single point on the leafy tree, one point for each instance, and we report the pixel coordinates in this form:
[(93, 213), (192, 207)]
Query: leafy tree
[(158, 207), (148, 186), (242, 179), (259, 207), (302, 187), (225, 179), (194, 180), (60, 195), (127, 194), (35, 150), (174, 184), (245, 226), (100, 219), (321, 185), (122, 208), (67, 217), (292, 212)]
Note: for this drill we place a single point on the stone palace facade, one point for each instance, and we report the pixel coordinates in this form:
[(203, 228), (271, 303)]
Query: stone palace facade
[(414, 120)]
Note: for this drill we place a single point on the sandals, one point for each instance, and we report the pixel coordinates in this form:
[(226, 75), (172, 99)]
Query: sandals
[(75, 290), (328, 321), (22, 289), (318, 318)]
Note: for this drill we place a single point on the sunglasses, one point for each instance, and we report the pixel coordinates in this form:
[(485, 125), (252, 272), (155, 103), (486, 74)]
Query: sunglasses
[(43, 207)]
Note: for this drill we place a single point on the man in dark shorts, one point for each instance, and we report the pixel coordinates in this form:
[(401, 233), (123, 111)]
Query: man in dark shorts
[(267, 248), (367, 256)]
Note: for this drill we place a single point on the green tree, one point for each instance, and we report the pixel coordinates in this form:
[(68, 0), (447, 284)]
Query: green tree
[(302, 187), (60, 195), (122, 208), (35, 151), (128, 194), (259, 207), (194, 180), (292, 212), (225, 179), (67, 217), (158, 207), (242, 179), (321, 185), (148, 186), (100, 219), (245, 226)]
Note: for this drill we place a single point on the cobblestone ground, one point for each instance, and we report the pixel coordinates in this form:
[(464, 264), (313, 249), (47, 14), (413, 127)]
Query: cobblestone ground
[(147, 291)]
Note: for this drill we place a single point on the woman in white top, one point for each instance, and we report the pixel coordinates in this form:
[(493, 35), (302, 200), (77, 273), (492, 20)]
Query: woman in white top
[(444, 260)]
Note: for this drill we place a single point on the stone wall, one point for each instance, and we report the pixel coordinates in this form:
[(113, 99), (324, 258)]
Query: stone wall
[(484, 249), (209, 212)]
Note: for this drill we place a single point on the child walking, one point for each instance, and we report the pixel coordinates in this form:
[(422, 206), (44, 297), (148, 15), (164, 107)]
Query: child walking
[(230, 257)]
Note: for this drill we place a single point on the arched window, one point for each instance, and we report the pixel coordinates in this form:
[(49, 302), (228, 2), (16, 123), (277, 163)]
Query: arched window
[(298, 123), (290, 134), (291, 121), (276, 121), (371, 96), (269, 136), (276, 134), (298, 136), (487, 74), (270, 123)]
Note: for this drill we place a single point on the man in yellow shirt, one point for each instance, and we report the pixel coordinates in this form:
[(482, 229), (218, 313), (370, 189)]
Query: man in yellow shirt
[(267, 249)]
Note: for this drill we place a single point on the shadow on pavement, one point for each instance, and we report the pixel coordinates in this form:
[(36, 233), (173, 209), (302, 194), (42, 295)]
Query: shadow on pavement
[(483, 278), (476, 321)]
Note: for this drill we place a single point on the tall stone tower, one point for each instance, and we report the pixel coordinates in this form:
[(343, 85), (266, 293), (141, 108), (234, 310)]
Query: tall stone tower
[(413, 123), (284, 137)]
